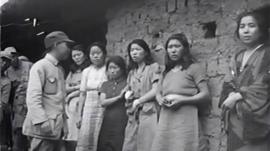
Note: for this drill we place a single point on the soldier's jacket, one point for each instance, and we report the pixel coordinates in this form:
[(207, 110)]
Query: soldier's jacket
[(45, 99)]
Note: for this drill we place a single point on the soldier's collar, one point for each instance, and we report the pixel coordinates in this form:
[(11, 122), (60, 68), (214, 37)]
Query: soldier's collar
[(52, 59)]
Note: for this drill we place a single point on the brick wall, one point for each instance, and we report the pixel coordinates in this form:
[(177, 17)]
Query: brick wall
[(155, 20)]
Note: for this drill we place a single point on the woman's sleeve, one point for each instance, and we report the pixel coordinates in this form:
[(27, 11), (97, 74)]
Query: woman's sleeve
[(255, 96), (198, 73), (84, 80), (254, 109)]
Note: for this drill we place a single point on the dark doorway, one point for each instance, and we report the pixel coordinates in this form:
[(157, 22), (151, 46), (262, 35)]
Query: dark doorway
[(26, 22)]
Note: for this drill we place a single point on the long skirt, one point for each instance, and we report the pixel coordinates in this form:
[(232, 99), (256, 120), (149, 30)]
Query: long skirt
[(91, 122), (178, 129), (131, 132), (72, 113), (112, 131), (140, 132)]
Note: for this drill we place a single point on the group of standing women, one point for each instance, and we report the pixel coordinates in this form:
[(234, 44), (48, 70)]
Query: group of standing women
[(149, 107)]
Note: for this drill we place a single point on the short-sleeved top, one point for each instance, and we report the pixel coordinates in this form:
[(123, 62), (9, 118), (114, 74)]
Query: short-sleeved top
[(141, 83), (115, 117), (112, 88), (92, 78), (183, 82)]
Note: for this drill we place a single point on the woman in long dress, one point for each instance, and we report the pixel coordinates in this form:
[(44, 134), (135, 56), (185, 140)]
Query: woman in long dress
[(112, 131), (90, 107), (73, 81), (245, 98), (141, 104), (182, 89)]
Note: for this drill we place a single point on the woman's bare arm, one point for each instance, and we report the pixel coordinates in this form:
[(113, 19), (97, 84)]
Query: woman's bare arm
[(81, 102), (150, 95)]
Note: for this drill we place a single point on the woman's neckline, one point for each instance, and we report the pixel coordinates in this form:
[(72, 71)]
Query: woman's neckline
[(140, 68), (98, 68), (118, 80), (253, 49), (177, 68), (247, 55)]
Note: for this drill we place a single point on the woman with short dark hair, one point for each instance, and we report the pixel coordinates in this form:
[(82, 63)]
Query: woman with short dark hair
[(245, 95), (112, 131), (182, 89)]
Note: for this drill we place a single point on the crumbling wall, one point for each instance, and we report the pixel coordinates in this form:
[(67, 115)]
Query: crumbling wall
[(209, 25)]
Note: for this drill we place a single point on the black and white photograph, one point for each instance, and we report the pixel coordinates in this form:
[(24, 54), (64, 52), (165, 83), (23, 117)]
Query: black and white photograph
[(135, 75)]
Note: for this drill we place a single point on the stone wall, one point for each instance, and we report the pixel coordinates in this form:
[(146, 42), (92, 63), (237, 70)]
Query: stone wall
[(155, 20)]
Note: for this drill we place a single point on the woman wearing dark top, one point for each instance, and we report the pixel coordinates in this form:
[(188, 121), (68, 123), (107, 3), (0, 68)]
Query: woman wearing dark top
[(114, 122), (245, 97)]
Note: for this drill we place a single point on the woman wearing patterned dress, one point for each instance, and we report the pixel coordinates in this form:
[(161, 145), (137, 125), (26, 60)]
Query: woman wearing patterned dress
[(90, 99), (73, 81), (141, 104)]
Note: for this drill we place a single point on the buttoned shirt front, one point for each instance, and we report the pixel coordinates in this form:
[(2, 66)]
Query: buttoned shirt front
[(46, 90), (45, 97)]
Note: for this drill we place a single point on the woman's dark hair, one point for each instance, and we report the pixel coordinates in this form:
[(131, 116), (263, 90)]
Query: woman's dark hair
[(74, 67), (78, 47), (186, 60), (119, 61), (148, 58), (261, 21), (100, 45)]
